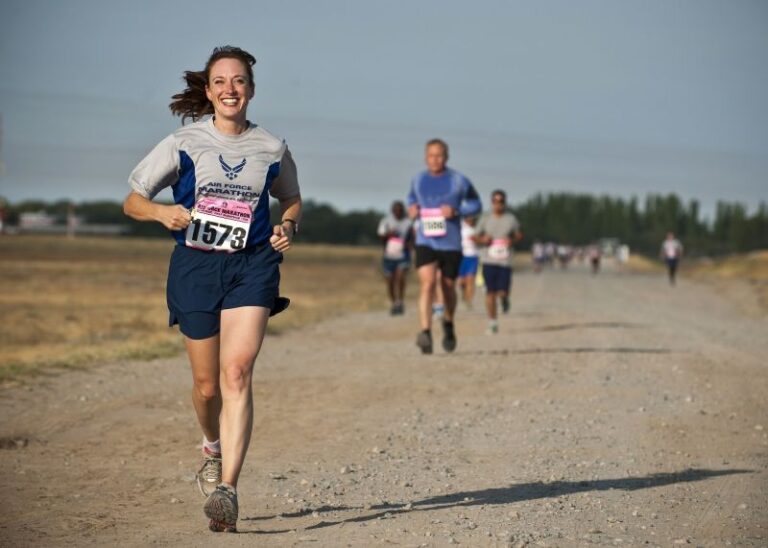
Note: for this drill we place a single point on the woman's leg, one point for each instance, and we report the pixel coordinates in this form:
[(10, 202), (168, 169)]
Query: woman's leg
[(242, 332), (206, 395)]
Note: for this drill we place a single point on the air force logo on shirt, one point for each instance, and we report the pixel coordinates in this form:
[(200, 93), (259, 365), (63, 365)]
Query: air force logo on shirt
[(231, 172)]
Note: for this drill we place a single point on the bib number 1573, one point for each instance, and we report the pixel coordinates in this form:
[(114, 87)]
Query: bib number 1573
[(220, 225), (217, 234)]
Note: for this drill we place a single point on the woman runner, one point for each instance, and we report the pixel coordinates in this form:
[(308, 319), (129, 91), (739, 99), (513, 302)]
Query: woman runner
[(224, 275)]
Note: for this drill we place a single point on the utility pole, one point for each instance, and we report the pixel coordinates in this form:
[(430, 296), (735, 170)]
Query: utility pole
[(2, 164)]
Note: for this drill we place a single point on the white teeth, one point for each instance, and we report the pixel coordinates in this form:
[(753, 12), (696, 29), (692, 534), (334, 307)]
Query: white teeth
[(229, 102)]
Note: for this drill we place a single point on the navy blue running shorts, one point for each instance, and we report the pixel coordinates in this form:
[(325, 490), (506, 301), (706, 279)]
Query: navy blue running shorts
[(497, 278), (390, 265), (203, 283)]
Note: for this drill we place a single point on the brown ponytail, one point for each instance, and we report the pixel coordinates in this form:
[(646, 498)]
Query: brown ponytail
[(192, 102)]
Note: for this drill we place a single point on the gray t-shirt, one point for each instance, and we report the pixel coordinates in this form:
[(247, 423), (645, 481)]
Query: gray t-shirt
[(501, 229), (198, 161)]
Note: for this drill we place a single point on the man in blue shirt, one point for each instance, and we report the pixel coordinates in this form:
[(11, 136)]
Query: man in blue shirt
[(439, 197)]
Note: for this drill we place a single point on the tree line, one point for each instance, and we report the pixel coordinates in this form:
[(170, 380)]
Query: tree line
[(577, 219), (583, 218)]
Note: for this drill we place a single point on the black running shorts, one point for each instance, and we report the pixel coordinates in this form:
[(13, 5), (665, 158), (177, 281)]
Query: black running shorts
[(447, 261)]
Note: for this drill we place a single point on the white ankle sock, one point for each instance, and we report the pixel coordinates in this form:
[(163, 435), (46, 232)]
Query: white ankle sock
[(212, 446)]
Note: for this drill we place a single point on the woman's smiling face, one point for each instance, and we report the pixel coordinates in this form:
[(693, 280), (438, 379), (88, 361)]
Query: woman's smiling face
[(229, 89)]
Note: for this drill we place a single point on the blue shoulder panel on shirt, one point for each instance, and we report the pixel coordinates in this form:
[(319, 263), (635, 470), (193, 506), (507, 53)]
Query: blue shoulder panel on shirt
[(261, 226), (184, 189)]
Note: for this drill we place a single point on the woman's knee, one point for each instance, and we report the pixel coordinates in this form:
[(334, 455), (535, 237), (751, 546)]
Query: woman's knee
[(207, 388), (236, 375)]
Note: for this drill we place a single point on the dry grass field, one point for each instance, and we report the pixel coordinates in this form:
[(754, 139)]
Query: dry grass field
[(67, 303), (750, 268)]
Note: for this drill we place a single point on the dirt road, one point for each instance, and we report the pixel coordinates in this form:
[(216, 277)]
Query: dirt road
[(612, 411)]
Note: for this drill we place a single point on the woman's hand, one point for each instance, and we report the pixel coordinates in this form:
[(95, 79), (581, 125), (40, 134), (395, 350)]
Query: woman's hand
[(282, 236), (174, 217)]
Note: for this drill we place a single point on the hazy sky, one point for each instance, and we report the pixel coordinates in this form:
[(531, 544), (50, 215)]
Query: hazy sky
[(606, 96)]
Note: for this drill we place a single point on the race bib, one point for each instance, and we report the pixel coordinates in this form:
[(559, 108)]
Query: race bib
[(219, 224), (433, 223), (499, 250), (670, 251), (395, 249)]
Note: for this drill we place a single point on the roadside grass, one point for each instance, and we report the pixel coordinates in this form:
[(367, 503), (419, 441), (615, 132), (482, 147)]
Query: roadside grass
[(751, 268), (641, 263), (71, 303), (746, 266)]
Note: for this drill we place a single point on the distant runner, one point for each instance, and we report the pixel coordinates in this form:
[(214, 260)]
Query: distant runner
[(564, 255), (396, 233), (224, 276), (469, 260), (539, 256), (497, 232), (594, 254), (671, 251), (439, 196)]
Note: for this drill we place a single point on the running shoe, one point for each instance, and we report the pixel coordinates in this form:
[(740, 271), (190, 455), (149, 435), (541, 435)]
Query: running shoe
[(505, 304), (449, 337), (221, 509), (209, 475), (493, 328), (424, 341)]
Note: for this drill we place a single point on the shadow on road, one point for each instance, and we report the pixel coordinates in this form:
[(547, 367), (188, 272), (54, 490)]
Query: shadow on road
[(575, 350), (585, 325), (532, 491)]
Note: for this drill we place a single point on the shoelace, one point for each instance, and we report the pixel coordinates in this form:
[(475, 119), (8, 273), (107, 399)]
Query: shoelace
[(211, 469)]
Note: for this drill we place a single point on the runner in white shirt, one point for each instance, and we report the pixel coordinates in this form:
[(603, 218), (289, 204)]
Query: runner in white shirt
[(671, 251), (396, 233), (539, 256), (224, 276)]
